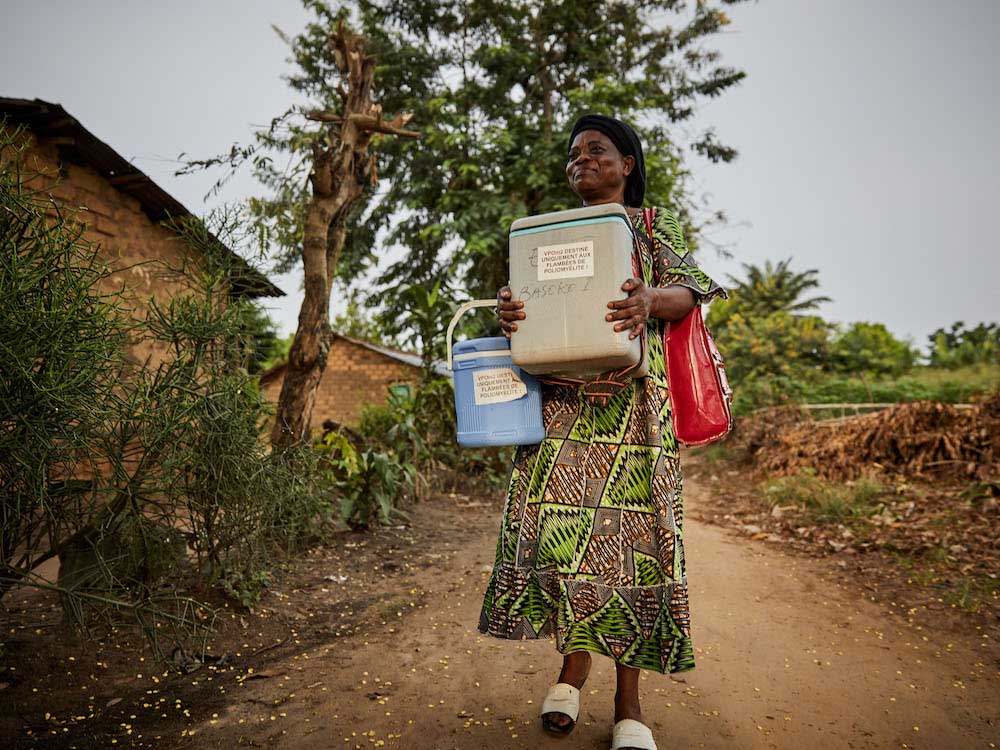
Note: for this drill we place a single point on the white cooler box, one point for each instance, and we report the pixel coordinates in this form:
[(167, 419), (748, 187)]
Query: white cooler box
[(566, 266)]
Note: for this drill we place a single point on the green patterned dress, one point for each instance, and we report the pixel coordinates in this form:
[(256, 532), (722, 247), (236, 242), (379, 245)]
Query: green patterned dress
[(591, 540)]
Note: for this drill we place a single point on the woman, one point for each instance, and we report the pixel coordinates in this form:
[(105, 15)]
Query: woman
[(591, 547)]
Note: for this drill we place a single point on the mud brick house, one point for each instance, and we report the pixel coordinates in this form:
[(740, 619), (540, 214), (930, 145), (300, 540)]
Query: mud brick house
[(357, 373), (121, 207)]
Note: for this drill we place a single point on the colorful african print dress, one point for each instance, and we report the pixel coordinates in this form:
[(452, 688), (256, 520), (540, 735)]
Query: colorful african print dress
[(591, 539)]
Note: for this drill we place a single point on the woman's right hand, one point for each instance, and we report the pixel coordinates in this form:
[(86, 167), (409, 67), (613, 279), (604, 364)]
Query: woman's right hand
[(508, 311)]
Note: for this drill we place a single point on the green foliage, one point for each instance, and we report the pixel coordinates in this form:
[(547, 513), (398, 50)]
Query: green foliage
[(825, 501), (776, 355), (371, 483), (357, 323), (869, 348), (419, 428), (129, 474), (846, 389), (920, 384), (769, 346), (775, 288), (978, 378), (493, 88), (759, 391), (263, 342), (425, 310), (278, 352), (61, 343), (776, 345), (960, 346)]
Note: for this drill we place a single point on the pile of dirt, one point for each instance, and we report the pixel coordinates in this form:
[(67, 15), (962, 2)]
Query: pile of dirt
[(923, 438)]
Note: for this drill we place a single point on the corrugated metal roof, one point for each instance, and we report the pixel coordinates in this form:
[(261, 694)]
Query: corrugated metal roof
[(398, 354), (51, 122)]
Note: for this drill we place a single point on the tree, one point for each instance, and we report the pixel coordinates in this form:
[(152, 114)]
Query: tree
[(262, 342), (775, 344), (769, 344), (494, 87), (965, 346), (356, 322), (869, 348), (426, 312), (341, 166), (769, 289), (340, 77), (497, 86)]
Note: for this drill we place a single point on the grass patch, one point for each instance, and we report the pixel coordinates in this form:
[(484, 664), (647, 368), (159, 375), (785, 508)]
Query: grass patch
[(918, 570), (391, 609), (972, 592), (714, 454), (968, 593), (921, 383), (823, 501), (981, 377)]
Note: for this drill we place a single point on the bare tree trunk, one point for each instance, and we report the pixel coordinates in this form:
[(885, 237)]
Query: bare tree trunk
[(341, 165)]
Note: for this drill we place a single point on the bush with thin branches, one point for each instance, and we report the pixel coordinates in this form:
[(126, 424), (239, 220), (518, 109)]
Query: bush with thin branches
[(140, 480)]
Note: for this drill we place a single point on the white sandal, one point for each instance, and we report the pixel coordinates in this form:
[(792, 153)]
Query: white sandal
[(562, 698), (632, 733)]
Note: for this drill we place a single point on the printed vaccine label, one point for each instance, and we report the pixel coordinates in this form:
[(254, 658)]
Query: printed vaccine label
[(567, 261), (497, 385)]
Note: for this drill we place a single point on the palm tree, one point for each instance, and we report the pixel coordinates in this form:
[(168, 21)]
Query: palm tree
[(775, 288)]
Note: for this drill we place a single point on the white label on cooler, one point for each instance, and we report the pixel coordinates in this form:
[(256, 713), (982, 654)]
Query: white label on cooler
[(498, 385), (567, 261)]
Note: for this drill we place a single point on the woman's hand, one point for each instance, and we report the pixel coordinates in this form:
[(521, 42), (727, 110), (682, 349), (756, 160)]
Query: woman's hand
[(508, 311), (633, 311)]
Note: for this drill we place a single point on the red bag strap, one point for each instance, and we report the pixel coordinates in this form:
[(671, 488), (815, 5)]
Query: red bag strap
[(647, 214)]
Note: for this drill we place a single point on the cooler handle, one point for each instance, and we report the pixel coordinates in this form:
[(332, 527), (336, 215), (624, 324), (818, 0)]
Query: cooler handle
[(461, 311)]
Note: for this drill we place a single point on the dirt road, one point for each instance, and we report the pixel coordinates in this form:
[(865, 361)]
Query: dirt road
[(789, 655)]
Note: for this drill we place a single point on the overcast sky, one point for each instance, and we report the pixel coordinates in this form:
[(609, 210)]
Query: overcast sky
[(867, 130)]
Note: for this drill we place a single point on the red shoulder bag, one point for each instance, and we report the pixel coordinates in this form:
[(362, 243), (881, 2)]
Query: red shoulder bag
[(700, 395)]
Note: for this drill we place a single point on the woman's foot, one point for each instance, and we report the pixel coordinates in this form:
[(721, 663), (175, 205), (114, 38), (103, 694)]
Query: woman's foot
[(627, 707), (575, 668), (627, 695)]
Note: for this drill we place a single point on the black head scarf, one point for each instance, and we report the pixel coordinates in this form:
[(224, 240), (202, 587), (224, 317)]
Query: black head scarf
[(626, 140)]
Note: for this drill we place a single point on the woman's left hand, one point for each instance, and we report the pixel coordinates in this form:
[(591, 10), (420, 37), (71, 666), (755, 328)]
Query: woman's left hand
[(633, 311)]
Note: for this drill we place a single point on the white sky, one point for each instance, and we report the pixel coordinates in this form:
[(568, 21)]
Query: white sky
[(867, 130)]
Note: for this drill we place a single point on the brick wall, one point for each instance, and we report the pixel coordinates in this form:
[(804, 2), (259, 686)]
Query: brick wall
[(354, 376), (116, 222)]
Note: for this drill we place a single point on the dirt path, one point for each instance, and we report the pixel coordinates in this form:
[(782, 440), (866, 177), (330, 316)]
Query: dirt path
[(788, 656)]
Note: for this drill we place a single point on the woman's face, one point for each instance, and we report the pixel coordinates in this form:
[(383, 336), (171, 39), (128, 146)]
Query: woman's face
[(596, 170)]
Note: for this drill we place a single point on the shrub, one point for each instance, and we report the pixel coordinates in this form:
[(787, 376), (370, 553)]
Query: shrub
[(119, 470), (371, 483), (419, 429), (960, 346), (869, 348)]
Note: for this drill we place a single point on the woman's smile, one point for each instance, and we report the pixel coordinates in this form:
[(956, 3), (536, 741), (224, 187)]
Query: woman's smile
[(596, 169)]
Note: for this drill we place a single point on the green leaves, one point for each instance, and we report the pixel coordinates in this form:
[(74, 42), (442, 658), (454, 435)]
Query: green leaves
[(370, 483), (959, 346), (869, 348), (495, 88)]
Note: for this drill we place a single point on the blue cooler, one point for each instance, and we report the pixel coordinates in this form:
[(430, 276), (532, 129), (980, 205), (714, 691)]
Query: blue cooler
[(496, 402)]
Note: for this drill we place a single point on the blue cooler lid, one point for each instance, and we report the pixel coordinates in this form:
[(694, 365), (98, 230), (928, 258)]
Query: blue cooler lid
[(490, 344)]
